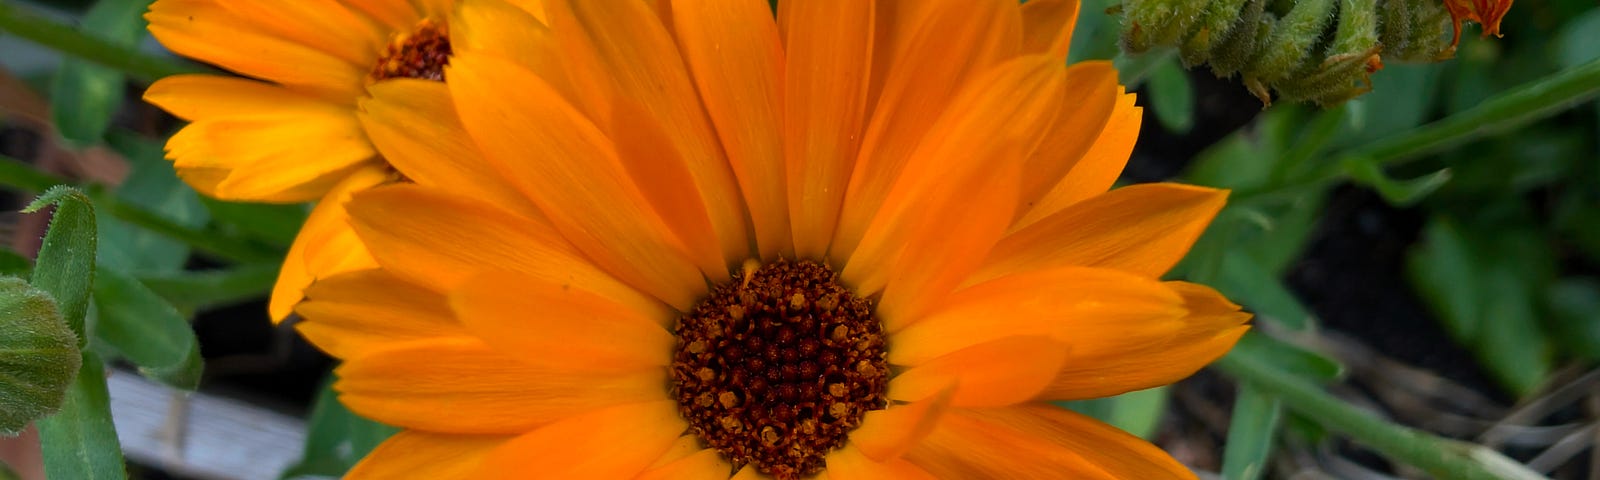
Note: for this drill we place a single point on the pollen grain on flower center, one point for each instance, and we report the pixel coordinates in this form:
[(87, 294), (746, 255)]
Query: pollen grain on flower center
[(776, 367), (422, 54)]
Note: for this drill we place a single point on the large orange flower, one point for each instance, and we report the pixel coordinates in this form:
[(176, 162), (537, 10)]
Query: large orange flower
[(292, 131), (867, 240)]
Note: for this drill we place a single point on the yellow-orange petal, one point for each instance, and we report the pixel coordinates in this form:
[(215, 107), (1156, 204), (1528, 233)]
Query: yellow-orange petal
[(1142, 229), (1094, 173), (437, 240), (398, 16), (965, 142), (1089, 97), (191, 28), (199, 97), (577, 180), (959, 225), (262, 166), (886, 434), (1047, 26), (621, 50), (737, 61), (414, 125), (328, 26), (705, 464), (664, 178), (617, 442), (1113, 451), (544, 322), (848, 463), (482, 390), (415, 454), (360, 312), (933, 50), (1090, 310), (1210, 327), (325, 246), (829, 48), (502, 29), (998, 373)]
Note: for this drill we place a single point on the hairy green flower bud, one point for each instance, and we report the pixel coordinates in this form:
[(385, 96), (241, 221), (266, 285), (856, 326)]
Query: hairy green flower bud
[(1319, 51)]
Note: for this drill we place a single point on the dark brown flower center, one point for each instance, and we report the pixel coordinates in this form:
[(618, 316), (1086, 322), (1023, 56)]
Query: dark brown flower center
[(776, 367), (421, 54)]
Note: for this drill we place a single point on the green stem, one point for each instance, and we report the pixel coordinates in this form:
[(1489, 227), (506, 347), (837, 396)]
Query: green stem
[(1507, 111), (68, 40), (1441, 457), (22, 176)]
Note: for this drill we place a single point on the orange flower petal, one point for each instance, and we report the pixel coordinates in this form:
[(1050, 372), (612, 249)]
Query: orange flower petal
[(359, 312), (1090, 310), (1098, 168), (618, 442), (733, 46), (621, 50), (483, 391), (325, 246), (397, 16), (1142, 229), (414, 125), (577, 180), (192, 28), (1089, 96), (886, 434), (829, 48), (934, 50), (998, 373), (1039, 441), (683, 447), (438, 240), (848, 463), (326, 25), (959, 224), (414, 454), (965, 143), (665, 179), (749, 472), (200, 97), (705, 464), (1047, 26), (501, 29), (571, 326), (1209, 329)]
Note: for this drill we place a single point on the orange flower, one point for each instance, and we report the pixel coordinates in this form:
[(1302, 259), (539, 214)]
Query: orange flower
[(1486, 12), (292, 132), (867, 240)]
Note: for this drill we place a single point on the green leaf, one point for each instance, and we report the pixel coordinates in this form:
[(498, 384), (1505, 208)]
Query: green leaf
[(1247, 282), (79, 441), (1443, 270), (1139, 412), (14, 264), (143, 328), (65, 266), (1513, 345), (276, 224), (154, 186), (85, 95), (1574, 305), (1400, 193), (1171, 96), (38, 355), (1575, 43), (206, 289), (1288, 358), (337, 438), (1250, 433)]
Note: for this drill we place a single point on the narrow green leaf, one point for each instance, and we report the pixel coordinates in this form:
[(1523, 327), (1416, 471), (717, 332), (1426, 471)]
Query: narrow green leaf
[(65, 266), (143, 328), (70, 41), (23, 176), (79, 441), (274, 224), (1247, 282), (1513, 346), (153, 185), (1444, 271), (1139, 412), (1400, 193), (38, 355), (1250, 433), (337, 438), (85, 95), (1575, 315), (213, 288), (1171, 96), (1288, 358)]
